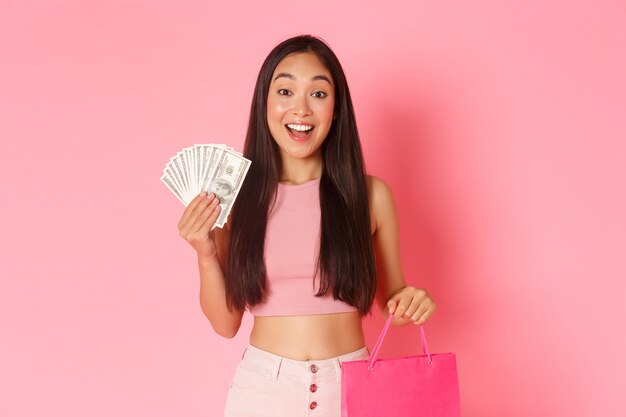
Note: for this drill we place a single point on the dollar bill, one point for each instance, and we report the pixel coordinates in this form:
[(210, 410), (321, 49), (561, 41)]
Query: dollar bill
[(172, 187), (215, 168), (226, 181), (177, 169), (174, 180)]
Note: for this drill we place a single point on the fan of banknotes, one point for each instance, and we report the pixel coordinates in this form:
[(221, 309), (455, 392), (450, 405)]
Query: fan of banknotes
[(207, 167)]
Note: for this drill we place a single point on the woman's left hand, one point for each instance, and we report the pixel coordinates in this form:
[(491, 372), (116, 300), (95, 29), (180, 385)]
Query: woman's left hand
[(411, 304)]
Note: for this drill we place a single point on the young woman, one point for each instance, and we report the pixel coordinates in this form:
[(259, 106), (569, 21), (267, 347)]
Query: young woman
[(311, 243)]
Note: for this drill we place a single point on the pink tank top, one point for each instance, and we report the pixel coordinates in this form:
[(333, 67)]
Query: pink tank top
[(291, 250)]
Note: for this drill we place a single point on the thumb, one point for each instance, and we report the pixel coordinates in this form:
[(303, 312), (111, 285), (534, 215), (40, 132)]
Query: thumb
[(391, 304)]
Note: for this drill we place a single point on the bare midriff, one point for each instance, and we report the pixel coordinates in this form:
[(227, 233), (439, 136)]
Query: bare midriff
[(319, 336)]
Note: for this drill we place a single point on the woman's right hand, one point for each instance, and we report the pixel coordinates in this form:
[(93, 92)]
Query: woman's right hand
[(197, 221)]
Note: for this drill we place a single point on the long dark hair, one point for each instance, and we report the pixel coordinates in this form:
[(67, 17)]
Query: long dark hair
[(346, 257)]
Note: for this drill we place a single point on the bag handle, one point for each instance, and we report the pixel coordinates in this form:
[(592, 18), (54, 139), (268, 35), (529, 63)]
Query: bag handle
[(374, 355)]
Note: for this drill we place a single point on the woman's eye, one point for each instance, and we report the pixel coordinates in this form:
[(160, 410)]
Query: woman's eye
[(319, 94), (284, 92)]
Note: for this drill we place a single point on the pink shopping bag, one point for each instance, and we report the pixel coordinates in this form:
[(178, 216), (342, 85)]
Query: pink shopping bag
[(412, 386)]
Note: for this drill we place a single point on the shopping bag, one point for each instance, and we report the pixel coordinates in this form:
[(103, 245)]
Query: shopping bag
[(412, 386)]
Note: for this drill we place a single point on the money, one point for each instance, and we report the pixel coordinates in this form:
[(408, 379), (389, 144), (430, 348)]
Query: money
[(214, 168)]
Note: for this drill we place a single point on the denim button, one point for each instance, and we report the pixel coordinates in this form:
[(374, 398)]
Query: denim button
[(313, 388), (313, 405), (314, 368)]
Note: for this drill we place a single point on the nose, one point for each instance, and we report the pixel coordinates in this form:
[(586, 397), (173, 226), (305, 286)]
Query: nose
[(301, 105)]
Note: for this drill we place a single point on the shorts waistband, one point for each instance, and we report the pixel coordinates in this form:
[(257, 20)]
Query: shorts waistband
[(318, 368)]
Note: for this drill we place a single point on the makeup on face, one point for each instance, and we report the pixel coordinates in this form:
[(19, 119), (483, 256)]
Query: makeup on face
[(300, 105)]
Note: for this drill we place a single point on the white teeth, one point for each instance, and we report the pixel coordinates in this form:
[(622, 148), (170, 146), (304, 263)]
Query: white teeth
[(300, 128)]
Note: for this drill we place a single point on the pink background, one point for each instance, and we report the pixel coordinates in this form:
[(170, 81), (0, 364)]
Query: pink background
[(500, 126)]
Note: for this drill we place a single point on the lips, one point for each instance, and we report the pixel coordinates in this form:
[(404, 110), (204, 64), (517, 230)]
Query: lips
[(299, 131)]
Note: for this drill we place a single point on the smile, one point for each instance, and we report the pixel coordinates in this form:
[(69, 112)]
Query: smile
[(299, 132), (300, 128)]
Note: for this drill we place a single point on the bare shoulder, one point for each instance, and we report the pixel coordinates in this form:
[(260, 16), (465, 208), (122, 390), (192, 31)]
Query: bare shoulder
[(377, 187), (381, 202), (379, 193)]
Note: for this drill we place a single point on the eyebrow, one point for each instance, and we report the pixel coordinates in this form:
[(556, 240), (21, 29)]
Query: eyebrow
[(291, 77)]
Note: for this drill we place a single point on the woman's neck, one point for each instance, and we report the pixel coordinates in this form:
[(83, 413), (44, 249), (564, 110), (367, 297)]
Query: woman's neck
[(300, 171)]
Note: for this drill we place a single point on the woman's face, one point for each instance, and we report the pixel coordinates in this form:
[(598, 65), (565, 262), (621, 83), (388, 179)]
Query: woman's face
[(300, 105)]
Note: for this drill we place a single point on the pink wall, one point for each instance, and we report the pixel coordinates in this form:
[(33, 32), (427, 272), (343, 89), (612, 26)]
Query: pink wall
[(499, 126)]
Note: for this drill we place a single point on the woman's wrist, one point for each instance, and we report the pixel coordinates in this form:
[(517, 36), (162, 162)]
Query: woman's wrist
[(205, 258)]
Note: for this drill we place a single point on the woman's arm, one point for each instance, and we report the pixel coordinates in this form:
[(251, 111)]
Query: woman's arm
[(408, 304), (211, 247)]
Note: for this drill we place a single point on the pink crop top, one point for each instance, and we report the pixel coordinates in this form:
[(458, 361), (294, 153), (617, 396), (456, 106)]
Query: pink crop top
[(291, 249)]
